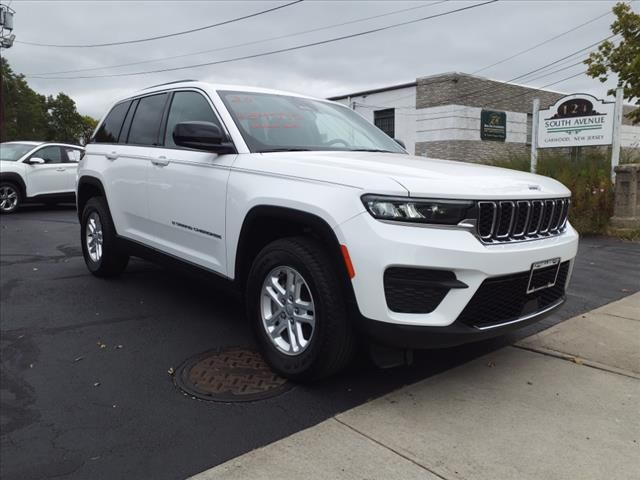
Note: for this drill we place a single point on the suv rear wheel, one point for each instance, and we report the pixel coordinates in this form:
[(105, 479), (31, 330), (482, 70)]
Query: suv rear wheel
[(298, 311), (9, 197), (99, 240)]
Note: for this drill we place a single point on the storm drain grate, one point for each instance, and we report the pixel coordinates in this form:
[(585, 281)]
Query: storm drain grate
[(229, 375)]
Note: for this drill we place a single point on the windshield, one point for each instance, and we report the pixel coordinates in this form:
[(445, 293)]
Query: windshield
[(14, 151), (272, 123)]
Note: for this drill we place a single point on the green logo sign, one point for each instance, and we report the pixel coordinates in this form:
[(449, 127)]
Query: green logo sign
[(493, 125)]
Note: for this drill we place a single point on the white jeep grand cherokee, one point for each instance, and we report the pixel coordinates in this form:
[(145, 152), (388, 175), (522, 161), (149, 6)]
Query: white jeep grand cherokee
[(327, 225)]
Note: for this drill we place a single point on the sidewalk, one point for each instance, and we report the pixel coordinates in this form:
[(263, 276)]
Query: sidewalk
[(562, 404)]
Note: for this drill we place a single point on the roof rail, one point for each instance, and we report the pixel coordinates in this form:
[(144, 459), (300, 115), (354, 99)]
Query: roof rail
[(169, 83)]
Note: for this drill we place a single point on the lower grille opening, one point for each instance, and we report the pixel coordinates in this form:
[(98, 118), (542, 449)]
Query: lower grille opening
[(504, 299), (417, 290)]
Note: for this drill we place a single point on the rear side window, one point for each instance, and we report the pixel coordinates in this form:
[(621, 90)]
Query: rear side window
[(110, 128), (145, 126), (73, 154), (187, 107)]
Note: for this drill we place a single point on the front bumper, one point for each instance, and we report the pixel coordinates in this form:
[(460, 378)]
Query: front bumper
[(418, 337), (375, 246)]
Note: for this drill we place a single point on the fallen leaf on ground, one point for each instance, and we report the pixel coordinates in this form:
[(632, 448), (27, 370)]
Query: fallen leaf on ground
[(77, 359), (171, 371), (96, 384)]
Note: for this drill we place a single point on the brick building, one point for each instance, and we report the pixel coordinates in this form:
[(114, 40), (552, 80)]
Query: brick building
[(440, 116)]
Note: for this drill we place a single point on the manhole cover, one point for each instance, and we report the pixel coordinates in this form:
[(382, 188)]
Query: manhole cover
[(229, 375)]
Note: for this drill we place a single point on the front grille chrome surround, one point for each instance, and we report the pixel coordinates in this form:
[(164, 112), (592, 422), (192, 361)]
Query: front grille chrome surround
[(521, 220)]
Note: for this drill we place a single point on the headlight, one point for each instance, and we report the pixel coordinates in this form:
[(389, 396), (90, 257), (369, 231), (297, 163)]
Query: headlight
[(442, 212)]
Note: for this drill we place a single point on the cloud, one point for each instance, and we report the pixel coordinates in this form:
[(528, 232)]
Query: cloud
[(465, 41)]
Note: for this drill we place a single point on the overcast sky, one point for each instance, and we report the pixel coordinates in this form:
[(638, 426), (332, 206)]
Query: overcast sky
[(463, 42)]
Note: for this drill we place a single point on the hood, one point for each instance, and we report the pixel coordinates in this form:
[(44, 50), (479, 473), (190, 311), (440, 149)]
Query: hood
[(6, 166), (388, 173)]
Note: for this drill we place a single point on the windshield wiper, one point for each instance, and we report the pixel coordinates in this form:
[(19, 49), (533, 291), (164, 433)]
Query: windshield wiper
[(370, 150), (292, 149)]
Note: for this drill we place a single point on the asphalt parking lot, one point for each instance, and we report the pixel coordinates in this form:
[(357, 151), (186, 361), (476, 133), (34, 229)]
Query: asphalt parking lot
[(85, 390)]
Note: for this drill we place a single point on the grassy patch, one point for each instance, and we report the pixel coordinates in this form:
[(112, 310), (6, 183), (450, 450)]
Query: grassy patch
[(588, 178)]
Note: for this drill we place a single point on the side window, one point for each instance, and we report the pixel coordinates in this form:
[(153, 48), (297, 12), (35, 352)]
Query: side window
[(124, 133), (145, 125), (110, 128), (72, 155), (186, 107), (49, 154)]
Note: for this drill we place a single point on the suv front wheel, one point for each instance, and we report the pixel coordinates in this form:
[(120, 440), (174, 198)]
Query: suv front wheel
[(297, 309), (9, 197), (99, 240)]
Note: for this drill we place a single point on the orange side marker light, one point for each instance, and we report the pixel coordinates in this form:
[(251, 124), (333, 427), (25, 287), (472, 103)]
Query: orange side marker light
[(347, 261)]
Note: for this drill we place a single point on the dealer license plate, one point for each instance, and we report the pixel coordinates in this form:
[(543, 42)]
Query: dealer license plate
[(543, 275)]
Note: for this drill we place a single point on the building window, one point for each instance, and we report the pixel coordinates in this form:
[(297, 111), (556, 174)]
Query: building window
[(529, 127), (385, 121)]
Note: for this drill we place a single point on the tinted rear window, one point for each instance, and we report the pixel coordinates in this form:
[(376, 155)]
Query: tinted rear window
[(146, 121), (110, 128)]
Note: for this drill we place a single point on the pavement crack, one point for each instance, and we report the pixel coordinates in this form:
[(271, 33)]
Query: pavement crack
[(387, 447), (583, 361)]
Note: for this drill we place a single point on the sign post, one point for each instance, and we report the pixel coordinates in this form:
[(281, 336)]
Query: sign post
[(534, 135), (617, 124)]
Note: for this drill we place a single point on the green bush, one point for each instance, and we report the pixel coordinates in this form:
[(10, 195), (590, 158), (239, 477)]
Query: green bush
[(589, 179)]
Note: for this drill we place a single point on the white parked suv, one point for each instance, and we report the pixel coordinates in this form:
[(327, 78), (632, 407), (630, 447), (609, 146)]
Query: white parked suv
[(328, 227), (37, 172)]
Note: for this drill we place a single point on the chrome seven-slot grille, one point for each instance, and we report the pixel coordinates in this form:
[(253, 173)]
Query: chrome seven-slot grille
[(517, 220)]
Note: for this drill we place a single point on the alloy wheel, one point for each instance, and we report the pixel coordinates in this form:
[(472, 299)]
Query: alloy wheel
[(93, 237), (8, 198), (287, 310)]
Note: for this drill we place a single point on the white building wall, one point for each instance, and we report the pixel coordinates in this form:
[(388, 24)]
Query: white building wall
[(458, 122), (630, 136), (404, 102)]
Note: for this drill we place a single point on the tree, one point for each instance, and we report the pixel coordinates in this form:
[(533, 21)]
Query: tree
[(23, 112), (65, 123), (623, 59), (27, 115), (89, 124)]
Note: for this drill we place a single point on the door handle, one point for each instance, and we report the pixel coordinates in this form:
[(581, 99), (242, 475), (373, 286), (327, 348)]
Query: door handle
[(111, 156), (60, 169), (160, 161)]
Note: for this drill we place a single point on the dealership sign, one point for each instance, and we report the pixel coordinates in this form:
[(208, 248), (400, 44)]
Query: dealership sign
[(576, 121)]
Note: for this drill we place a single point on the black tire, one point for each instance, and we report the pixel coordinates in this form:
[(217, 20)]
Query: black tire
[(332, 344), (113, 261), (15, 190)]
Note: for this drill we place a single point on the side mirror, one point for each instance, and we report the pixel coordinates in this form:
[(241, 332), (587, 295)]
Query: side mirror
[(401, 143), (201, 136), (36, 161)]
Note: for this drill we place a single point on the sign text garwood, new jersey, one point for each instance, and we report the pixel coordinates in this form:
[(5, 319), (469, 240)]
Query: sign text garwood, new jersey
[(576, 121)]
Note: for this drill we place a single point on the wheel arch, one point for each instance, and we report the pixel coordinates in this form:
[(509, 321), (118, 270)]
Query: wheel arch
[(16, 179), (264, 224), (88, 187)]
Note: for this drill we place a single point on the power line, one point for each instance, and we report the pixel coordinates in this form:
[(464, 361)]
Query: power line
[(449, 114), (608, 12), (245, 44), (158, 37), (524, 75), (273, 52)]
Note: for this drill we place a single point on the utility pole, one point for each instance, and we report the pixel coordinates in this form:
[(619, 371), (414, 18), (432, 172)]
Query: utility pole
[(617, 124), (6, 26)]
